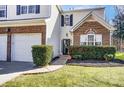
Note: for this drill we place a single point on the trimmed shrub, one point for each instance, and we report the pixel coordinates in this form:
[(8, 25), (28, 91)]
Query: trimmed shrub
[(42, 54), (91, 52), (108, 57), (77, 56)]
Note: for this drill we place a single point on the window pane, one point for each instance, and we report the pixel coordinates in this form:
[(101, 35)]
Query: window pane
[(23, 9), (2, 10), (37, 9), (91, 38), (31, 9), (90, 43), (97, 43), (83, 43), (67, 20), (2, 7), (98, 38), (2, 13)]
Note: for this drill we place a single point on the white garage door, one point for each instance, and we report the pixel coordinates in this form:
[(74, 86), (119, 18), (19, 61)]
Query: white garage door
[(21, 46), (3, 47)]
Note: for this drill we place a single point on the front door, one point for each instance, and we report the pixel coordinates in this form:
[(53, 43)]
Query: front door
[(66, 44)]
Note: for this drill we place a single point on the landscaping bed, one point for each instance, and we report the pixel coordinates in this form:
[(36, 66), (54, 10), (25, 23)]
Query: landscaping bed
[(96, 63)]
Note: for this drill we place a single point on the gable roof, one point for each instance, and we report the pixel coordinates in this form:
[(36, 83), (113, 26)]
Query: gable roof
[(97, 18)]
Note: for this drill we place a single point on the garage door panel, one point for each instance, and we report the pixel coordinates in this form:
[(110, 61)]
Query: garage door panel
[(3, 47), (21, 47)]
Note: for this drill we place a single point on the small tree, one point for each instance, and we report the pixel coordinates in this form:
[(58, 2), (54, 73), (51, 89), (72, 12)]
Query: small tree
[(119, 24)]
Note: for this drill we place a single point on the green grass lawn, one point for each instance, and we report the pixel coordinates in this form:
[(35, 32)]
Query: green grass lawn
[(75, 76), (119, 55)]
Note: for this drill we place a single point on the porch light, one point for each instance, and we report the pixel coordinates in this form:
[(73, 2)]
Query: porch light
[(7, 30), (66, 34)]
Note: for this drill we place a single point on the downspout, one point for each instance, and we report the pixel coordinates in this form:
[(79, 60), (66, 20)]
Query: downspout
[(110, 38)]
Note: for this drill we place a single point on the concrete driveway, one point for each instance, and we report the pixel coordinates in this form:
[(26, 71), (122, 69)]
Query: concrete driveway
[(10, 70)]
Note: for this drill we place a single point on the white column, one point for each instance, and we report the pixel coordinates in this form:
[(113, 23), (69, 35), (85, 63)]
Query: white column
[(71, 37), (110, 37)]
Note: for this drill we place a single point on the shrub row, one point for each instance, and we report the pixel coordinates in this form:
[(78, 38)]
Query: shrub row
[(90, 52), (42, 54)]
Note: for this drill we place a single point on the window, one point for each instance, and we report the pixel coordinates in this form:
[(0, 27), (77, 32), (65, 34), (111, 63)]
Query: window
[(67, 20), (31, 9), (98, 40), (91, 39), (37, 9), (3, 11), (83, 40), (23, 9)]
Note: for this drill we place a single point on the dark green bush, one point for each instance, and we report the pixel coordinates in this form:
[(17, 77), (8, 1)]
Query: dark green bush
[(42, 54), (91, 52), (77, 56)]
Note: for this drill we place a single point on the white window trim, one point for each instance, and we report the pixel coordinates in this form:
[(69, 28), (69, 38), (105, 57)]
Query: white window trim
[(27, 10), (67, 22), (93, 41)]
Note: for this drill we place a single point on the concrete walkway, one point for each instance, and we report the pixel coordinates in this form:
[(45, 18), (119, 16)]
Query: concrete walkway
[(57, 64)]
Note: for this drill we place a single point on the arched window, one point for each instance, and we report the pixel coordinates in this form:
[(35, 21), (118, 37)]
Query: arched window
[(91, 32)]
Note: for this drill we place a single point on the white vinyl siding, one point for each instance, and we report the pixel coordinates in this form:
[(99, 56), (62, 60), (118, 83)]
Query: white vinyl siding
[(11, 13)]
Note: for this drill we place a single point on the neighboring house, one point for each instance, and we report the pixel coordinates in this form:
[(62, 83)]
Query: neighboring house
[(22, 26)]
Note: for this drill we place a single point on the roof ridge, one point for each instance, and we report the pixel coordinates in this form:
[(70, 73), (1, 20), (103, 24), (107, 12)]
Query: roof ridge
[(76, 10)]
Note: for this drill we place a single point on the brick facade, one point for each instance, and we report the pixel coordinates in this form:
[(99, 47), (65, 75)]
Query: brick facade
[(22, 29), (26, 29), (99, 29)]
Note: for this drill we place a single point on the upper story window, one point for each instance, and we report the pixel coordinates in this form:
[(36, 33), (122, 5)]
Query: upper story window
[(22, 9), (67, 20), (32, 9), (3, 12)]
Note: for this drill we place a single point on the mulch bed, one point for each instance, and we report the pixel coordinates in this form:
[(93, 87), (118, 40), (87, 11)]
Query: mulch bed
[(96, 63)]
